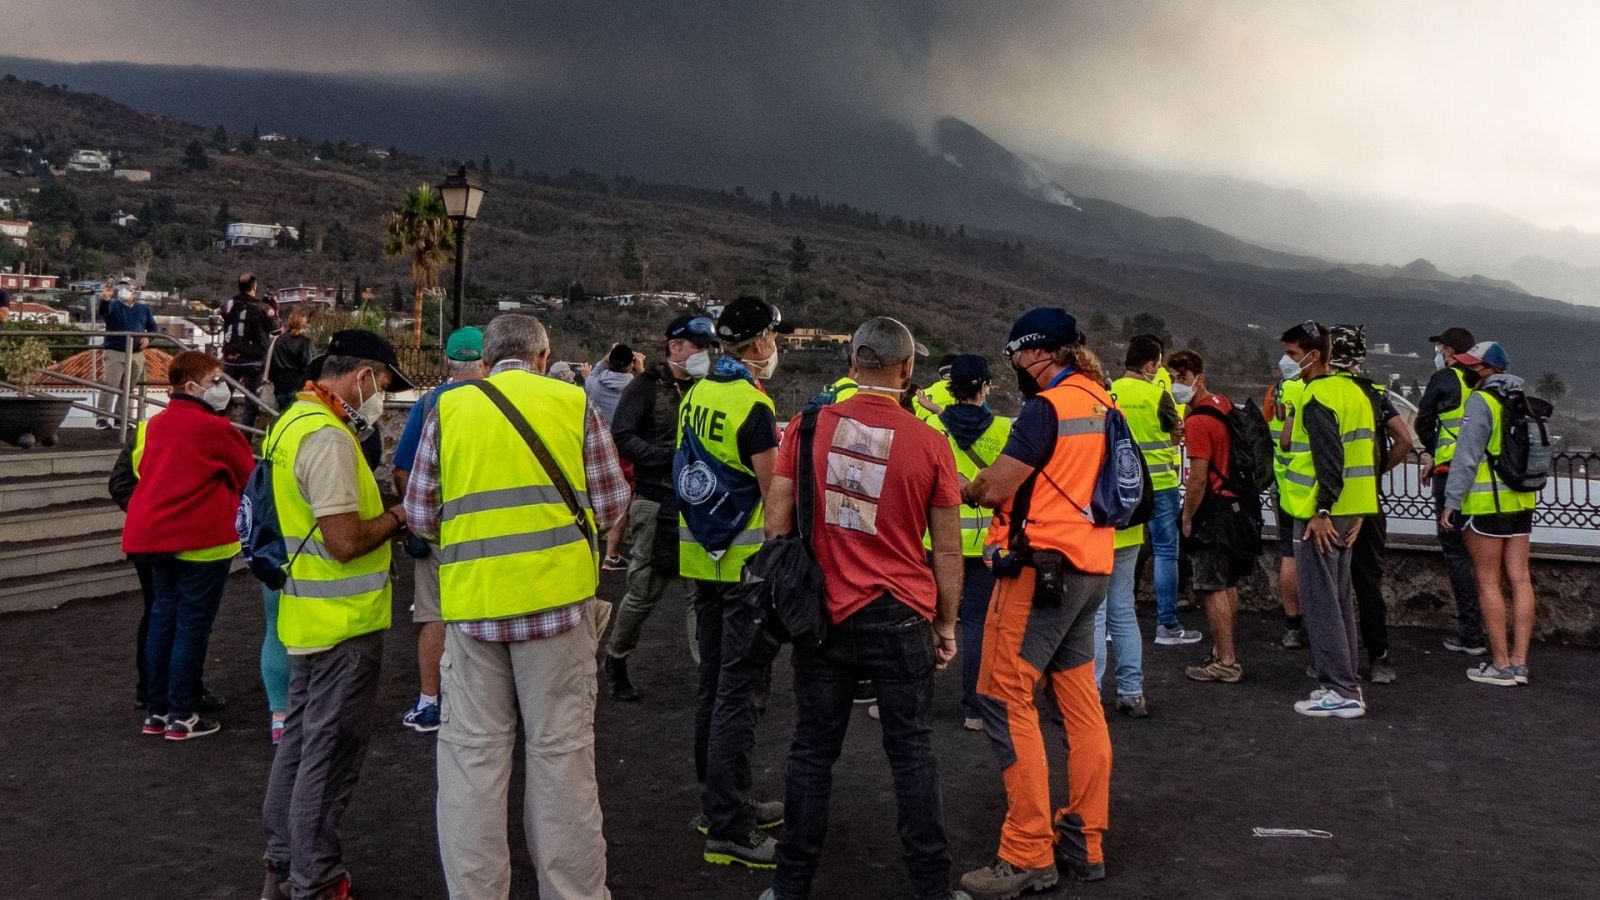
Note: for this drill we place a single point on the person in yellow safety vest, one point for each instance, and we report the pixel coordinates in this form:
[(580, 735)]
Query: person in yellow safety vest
[(976, 437), (1281, 399), (732, 420), (333, 609), (1331, 483), (514, 478), (1439, 414), (931, 400), (1163, 377), (1152, 415), (1498, 520)]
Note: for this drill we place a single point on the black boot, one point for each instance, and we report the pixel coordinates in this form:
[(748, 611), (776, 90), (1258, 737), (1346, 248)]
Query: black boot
[(618, 684)]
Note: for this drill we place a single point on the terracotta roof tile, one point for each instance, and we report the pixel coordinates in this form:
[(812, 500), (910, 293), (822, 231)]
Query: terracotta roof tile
[(88, 366)]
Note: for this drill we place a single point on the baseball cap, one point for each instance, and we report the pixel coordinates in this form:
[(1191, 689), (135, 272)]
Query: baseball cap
[(1457, 339), (1487, 353), (881, 342), (746, 318), (465, 344), (698, 330), (1046, 327), (971, 369), (366, 345)]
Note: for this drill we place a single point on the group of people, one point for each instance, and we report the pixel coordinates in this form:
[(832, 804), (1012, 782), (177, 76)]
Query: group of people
[(942, 530)]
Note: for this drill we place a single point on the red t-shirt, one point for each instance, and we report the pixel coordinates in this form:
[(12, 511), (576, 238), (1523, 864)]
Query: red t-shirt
[(1206, 437), (878, 470)]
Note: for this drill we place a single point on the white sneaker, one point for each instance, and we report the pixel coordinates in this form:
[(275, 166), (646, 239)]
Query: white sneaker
[(1171, 637), (1324, 703)]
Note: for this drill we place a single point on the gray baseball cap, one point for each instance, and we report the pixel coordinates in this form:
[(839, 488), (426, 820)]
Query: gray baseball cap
[(882, 342)]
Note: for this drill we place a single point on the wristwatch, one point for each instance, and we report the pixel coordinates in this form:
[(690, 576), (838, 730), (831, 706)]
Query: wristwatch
[(1323, 513)]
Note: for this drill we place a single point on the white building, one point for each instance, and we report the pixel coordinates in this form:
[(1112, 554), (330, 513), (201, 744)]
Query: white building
[(16, 230), (89, 161), (124, 220), (39, 314), (132, 174), (273, 136), (250, 234)]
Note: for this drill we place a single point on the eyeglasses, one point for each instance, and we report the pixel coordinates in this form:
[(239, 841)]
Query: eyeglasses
[(1312, 329)]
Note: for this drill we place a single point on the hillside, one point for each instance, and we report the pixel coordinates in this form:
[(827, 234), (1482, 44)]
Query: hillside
[(957, 286)]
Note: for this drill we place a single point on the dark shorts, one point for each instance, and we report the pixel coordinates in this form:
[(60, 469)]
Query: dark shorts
[(1285, 534), (1217, 570), (1503, 525)]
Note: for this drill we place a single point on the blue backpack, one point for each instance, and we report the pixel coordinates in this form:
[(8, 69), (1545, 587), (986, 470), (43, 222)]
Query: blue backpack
[(260, 536), (1123, 494), (716, 500)]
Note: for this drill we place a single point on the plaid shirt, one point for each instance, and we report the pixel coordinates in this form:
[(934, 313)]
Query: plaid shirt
[(608, 495)]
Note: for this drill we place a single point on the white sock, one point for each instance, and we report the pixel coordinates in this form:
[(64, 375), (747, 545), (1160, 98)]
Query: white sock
[(427, 699)]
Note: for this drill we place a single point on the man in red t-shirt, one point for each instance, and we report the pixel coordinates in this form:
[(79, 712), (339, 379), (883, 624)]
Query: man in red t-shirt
[(881, 479), (1211, 515)]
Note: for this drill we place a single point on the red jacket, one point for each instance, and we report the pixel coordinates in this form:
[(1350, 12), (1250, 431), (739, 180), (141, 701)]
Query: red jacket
[(194, 467)]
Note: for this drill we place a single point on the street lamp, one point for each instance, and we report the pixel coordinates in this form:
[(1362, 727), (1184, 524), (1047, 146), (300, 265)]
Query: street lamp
[(461, 196)]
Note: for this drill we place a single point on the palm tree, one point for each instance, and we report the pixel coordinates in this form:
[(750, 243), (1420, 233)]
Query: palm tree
[(419, 230), (143, 256)]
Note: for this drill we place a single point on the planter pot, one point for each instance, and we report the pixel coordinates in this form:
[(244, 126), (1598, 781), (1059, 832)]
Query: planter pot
[(26, 421)]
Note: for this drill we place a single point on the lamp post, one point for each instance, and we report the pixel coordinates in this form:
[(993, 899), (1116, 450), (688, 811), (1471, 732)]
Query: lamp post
[(461, 198)]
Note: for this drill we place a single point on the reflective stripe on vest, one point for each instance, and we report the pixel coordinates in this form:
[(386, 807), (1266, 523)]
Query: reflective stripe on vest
[(1284, 401), (1058, 516), (975, 520), (1353, 410), (1444, 448), (717, 410), (508, 545), (1140, 402), (324, 601), (1489, 494)]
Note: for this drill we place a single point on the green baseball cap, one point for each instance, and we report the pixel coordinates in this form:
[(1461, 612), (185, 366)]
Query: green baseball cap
[(465, 344)]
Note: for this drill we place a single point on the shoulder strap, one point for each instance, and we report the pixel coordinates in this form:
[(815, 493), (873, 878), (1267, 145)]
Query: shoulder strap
[(540, 452), (266, 369), (976, 459), (805, 509)]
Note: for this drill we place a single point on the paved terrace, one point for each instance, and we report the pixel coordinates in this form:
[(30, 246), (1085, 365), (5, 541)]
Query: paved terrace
[(1446, 789)]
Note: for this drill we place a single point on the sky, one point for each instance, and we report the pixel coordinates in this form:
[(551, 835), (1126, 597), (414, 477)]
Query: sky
[(1429, 101)]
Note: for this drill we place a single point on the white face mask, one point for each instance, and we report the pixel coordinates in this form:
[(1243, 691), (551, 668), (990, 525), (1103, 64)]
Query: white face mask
[(371, 408), (1182, 393), (1290, 369), (1438, 359), (698, 365), (217, 396), (763, 368)]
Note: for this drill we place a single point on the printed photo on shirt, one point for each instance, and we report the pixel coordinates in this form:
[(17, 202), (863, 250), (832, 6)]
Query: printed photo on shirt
[(863, 439), (858, 476), (853, 513)]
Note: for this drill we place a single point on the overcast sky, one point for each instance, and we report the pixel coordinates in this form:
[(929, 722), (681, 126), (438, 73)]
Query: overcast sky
[(1440, 101)]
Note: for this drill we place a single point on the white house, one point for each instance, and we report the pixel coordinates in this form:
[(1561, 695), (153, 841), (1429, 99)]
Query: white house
[(40, 314), (89, 161), (273, 136), (250, 234), (124, 220), (16, 230)]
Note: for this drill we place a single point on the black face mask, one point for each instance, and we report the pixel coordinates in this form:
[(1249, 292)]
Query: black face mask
[(1025, 382), (1472, 378)]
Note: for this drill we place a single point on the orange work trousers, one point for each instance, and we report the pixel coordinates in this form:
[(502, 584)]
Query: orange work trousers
[(1022, 645)]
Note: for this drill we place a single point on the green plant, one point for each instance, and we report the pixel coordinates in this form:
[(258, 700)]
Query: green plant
[(419, 231), (23, 361)]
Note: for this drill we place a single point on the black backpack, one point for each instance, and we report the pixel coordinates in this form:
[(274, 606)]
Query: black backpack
[(1249, 448), (1524, 460)]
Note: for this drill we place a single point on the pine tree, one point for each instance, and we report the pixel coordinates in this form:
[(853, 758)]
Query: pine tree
[(799, 257), (194, 157), (628, 264), (219, 139)]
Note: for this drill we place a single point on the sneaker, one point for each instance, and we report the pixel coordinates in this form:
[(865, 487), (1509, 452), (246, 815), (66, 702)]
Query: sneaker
[(422, 717), (276, 885), (757, 851), (1133, 707), (866, 692), (1324, 703), (209, 702), (154, 725), (614, 564), (972, 723), (102, 424), (1293, 638), (1380, 672), (768, 815), (277, 732), (1171, 637), (1489, 673), (1520, 673), (1457, 645), (1214, 669), (618, 685), (192, 727), (1000, 880)]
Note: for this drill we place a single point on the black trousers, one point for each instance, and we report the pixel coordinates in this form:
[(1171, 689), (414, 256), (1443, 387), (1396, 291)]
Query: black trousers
[(735, 669), (1463, 581), (1366, 577)]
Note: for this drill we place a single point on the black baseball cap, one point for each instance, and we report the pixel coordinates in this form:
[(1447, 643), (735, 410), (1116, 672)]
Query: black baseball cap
[(1050, 328), (698, 330), (971, 369), (361, 344), (1458, 339), (746, 318)]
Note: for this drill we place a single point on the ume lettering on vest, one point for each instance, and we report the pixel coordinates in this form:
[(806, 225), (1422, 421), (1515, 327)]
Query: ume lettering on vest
[(696, 417)]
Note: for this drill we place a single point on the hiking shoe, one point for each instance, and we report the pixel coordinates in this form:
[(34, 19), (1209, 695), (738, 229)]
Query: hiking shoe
[(1082, 871), (972, 723), (209, 702), (1520, 673), (1171, 637), (1324, 703), (614, 564), (865, 692), (1133, 707), (1293, 639), (154, 725), (422, 717), (1380, 672), (1457, 645), (1214, 669), (276, 885), (756, 851), (1000, 880), (618, 685), (768, 814), (1489, 673), (192, 727)]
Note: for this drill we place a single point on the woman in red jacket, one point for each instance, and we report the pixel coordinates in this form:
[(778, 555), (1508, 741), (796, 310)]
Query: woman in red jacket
[(192, 465)]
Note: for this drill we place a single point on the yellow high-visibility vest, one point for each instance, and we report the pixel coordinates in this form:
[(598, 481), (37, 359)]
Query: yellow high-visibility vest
[(975, 520), (1489, 494), (1444, 448), (1357, 429), (1140, 402), (716, 410)]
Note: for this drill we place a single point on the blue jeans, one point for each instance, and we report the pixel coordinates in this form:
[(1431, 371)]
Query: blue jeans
[(274, 656), (187, 595), (1164, 544), (1117, 614), (891, 645), (974, 611)]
